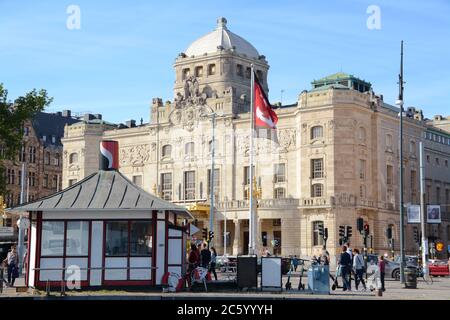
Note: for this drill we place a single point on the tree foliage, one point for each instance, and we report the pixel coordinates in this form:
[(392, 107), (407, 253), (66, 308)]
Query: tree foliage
[(12, 118)]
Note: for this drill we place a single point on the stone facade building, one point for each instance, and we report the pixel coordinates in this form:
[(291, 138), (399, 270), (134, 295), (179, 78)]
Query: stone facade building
[(41, 153), (336, 157)]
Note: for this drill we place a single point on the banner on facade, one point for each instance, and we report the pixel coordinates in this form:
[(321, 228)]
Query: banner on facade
[(413, 211), (434, 214)]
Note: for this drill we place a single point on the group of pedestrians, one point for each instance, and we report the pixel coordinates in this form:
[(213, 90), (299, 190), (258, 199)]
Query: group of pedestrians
[(352, 262), (202, 257)]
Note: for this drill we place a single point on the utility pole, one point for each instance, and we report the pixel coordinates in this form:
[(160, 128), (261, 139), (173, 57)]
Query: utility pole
[(400, 103), (21, 229), (211, 208), (422, 212)]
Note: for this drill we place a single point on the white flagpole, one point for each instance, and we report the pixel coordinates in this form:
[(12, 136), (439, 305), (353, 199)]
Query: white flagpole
[(251, 242)]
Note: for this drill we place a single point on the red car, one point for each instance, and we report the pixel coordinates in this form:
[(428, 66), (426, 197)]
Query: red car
[(439, 268)]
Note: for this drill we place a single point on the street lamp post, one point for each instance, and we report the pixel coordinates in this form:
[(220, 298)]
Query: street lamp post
[(211, 208), (399, 102)]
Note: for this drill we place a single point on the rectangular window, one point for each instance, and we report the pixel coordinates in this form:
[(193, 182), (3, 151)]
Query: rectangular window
[(189, 185), (45, 181), (317, 168), (280, 173), (280, 193), (240, 70), (77, 239), (166, 180), (362, 169), (141, 238), (317, 238), (199, 72), (137, 180), (216, 183), (247, 174), (52, 238), (116, 238), (211, 69), (389, 175)]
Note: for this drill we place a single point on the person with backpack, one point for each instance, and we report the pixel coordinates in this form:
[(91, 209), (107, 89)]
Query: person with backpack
[(359, 269), (212, 264), (345, 263)]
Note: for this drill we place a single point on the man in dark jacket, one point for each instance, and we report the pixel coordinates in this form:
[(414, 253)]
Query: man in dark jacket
[(205, 256), (345, 264)]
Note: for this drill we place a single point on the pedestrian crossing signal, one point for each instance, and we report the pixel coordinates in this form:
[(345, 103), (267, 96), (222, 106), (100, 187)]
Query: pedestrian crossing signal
[(211, 235)]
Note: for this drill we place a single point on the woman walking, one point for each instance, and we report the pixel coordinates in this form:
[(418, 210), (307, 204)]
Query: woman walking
[(12, 261), (358, 269), (212, 264)]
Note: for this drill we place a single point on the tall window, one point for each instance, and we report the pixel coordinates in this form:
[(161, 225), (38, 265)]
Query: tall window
[(47, 158), (189, 185), (216, 183), (240, 70), (140, 238), (189, 149), (57, 159), (116, 238), (55, 182), (317, 238), (317, 168), (166, 180), (280, 193), (316, 132), (52, 238), (247, 174), (73, 158), (389, 175), (199, 71), (32, 154), (166, 151), (22, 154), (280, 173), (211, 69), (362, 169), (317, 190), (31, 179), (45, 181), (137, 180)]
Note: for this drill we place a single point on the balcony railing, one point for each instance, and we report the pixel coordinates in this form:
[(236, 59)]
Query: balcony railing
[(286, 203)]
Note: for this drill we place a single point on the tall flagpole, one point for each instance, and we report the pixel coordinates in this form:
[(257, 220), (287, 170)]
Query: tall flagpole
[(251, 242)]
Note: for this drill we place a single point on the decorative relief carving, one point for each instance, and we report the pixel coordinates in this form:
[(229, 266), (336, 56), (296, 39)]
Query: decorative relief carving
[(134, 155)]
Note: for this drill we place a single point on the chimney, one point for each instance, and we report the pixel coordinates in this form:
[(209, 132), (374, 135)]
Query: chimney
[(66, 113), (109, 155), (131, 123)]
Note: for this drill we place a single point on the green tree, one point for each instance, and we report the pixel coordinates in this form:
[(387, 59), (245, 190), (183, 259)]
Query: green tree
[(12, 118)]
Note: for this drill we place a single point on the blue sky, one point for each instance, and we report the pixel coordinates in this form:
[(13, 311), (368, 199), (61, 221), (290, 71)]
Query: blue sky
[(123, 54)]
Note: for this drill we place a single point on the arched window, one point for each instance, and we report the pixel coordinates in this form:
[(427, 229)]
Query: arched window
[(316, 132), (317, 190), (73, 158), (280, 193), (362, 134), (189, 149), (412, 147), (167, 151)]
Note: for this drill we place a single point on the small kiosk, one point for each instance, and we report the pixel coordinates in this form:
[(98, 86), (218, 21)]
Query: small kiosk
[(110, 230)]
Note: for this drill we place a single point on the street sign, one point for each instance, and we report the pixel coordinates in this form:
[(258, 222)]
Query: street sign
[(440, 246)]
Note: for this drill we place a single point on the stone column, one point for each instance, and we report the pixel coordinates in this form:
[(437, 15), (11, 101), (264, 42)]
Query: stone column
[(237, 237)]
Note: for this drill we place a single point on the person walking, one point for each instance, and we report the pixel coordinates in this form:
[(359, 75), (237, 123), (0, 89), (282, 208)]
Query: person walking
[(295, 263), (345, 262), (205, 257), (358, 269), (382, 267), (212, 264), (350, 252), (12, 260)]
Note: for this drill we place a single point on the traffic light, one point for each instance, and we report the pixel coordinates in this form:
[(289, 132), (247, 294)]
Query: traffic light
[(325, 234), (341, 232), (389, 233), (348, 232), (211, 235), (367, 229), (416, 235), (320, 229), (205, 233), (360, 224)]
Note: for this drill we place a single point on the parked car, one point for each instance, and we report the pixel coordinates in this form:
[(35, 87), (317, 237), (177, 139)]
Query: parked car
[(392, 268)]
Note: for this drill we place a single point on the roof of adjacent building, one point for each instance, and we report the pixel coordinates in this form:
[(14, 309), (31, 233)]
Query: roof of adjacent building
[(338, 76), (221, 38), (51, 125), (104, 190)]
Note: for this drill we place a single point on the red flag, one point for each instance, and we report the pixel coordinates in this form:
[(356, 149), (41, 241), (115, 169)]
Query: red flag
[(265, 117)]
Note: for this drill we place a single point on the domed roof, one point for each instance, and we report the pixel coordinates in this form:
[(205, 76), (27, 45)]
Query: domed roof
[(224, 39)]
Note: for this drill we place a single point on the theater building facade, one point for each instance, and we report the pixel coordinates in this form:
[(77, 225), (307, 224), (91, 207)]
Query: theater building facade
[(335, 159)]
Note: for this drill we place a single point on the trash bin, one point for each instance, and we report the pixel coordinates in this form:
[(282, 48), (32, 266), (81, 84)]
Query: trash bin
[(411, 278), (319, 279)]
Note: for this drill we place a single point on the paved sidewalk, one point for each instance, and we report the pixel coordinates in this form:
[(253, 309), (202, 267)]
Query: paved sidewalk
[(439, 290)]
